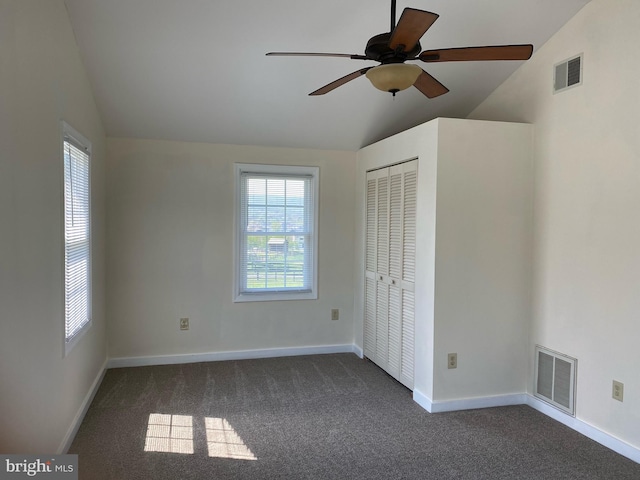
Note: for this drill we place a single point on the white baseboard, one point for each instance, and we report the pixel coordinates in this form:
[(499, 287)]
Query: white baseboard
[(478, 402), (422, 400), (77, 421), (358, 351), (603, 438), (585, 429), (467, 403), (232, 355)]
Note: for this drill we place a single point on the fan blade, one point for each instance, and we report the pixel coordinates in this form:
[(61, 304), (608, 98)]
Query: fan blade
[(430, 86), (341, 81), (411, 27), (471, 54), (308, 54)]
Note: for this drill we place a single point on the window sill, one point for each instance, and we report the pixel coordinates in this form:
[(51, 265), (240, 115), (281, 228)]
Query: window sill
[(274, 296), (68, 346)]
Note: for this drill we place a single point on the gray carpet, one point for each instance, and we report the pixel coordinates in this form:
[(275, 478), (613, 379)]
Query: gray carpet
[(315, 417)]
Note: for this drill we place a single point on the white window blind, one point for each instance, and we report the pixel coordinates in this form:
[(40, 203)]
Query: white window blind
[(277, 232), (77, 238)]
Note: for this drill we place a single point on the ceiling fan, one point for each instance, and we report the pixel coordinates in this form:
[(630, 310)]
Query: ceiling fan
[(402, 43)]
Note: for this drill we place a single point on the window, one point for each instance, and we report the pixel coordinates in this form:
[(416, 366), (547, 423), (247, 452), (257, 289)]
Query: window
[(276, 247), (77, 236)]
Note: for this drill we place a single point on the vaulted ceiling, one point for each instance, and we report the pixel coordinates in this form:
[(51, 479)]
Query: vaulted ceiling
[(196, 70)]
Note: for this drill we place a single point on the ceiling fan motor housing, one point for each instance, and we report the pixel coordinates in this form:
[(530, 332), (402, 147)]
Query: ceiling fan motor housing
[(378, 49)]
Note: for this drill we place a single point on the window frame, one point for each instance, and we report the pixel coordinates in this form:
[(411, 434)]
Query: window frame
[(76, 139), (262, 169)]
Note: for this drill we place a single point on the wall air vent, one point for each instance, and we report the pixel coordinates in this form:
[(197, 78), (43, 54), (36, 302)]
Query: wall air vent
[(555, 379), (567, 74)]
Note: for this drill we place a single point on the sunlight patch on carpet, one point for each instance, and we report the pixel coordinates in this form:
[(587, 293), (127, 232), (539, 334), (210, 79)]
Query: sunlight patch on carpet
[(224, 442), (169, 433)]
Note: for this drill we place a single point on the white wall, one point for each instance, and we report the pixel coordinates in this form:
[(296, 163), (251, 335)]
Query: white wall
[(473, 253), (483, 258), (587, 198), (42, 82), (170, 244)]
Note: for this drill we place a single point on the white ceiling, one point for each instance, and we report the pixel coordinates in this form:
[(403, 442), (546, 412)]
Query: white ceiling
[(196, 70)]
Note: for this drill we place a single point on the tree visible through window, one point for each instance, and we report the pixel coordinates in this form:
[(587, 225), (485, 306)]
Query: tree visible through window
[(277, 234)]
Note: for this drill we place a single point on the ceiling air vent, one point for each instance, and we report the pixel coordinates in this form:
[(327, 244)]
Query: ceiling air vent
[(555, 379), (567, 74)]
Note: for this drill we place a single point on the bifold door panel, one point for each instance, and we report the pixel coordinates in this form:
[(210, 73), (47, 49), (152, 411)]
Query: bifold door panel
[(390, 269)]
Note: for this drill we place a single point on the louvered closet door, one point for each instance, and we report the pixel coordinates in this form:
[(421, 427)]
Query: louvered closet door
[(395, 272), (390, 270), (371, 260), (410, 197), (382, 294)]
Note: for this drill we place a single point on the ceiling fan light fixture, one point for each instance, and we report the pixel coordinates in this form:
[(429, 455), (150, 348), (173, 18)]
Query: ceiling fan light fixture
[(394, 77)]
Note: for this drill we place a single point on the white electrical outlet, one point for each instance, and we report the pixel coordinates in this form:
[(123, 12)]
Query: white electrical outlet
[(335, 314), (452, 360), (618, 391), (184, 324)]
